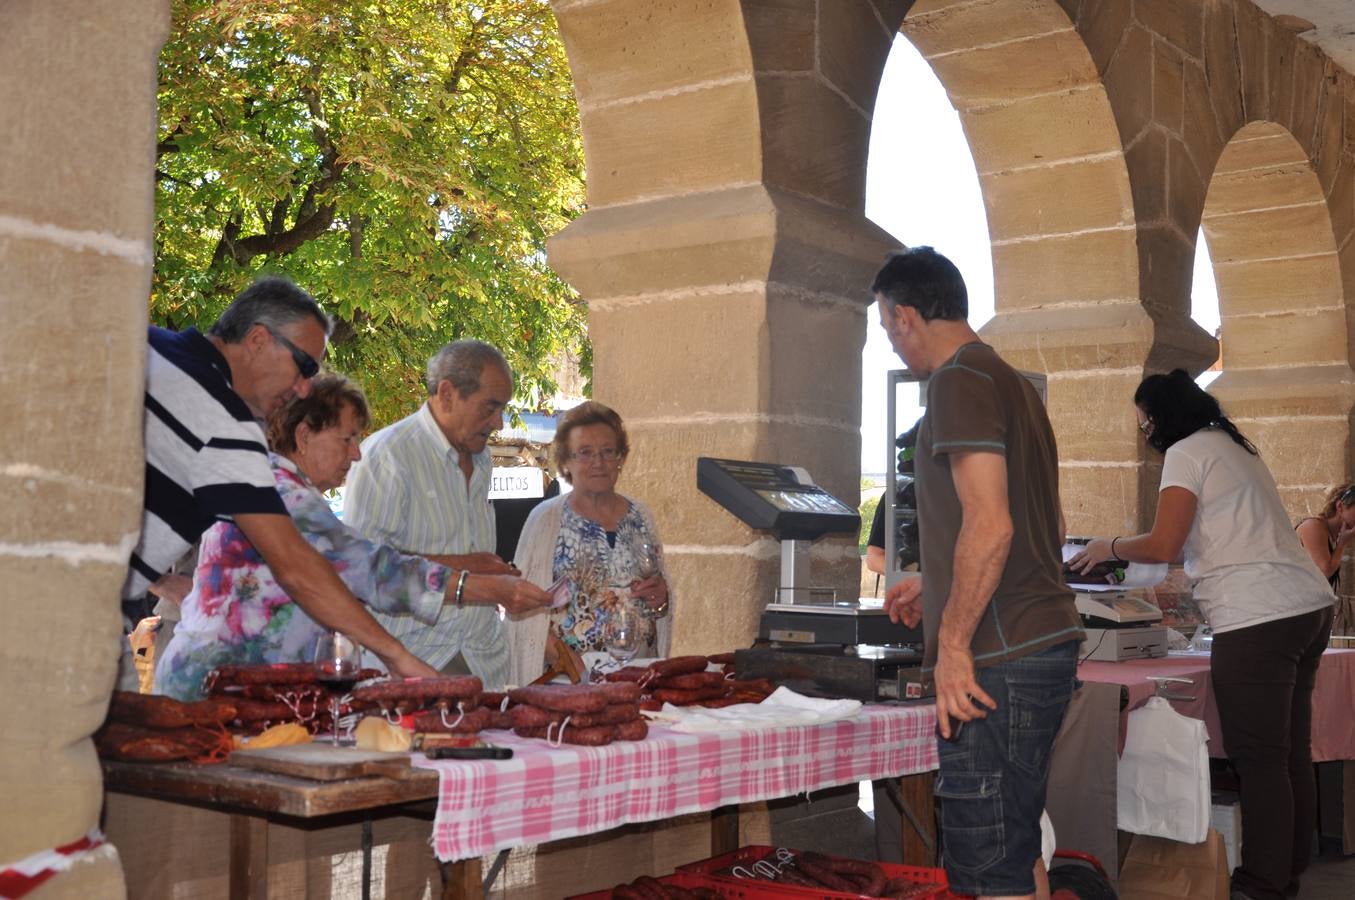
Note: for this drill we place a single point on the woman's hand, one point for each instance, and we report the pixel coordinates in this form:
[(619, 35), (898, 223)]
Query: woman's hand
[(652, 592), (1096, 551), (1344, 534)]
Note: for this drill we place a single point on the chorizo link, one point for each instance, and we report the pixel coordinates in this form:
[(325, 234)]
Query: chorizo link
[(620, 692), (686, 698), (535, 716), (678, 665), (691, 680), (566, 698), (155, 711), (430, 720), (634, 730), (455, 687), (824, 876), (722, 659)]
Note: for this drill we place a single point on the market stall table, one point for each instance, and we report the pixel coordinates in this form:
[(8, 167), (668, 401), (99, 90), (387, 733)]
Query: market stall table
[(549, 793)]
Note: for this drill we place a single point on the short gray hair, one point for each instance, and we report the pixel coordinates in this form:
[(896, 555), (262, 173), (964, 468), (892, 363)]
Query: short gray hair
[(272, 301), (461, 363)]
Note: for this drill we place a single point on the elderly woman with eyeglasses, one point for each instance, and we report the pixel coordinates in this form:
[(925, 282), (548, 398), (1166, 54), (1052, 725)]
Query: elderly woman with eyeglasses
[(597, 540), (1270, 608), (1325, 536)]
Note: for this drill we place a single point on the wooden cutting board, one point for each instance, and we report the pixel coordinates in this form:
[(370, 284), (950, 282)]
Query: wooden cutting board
[(324, 762)]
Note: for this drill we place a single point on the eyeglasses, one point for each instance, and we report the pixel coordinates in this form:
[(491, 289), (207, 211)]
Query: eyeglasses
[(305, 363), (1146, 426), (1347, 497), (588, 454)]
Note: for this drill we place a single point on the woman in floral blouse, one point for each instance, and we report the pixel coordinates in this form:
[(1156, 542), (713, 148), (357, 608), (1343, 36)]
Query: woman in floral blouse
[(604, 543), (238, 614)]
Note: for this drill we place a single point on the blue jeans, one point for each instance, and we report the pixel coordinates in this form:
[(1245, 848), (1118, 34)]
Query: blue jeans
[(992, 778)]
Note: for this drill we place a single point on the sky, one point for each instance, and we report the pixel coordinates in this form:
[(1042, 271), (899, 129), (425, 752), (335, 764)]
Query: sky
[(922, 187)]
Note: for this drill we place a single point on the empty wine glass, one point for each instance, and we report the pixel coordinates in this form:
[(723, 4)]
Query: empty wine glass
[(337, 659), (623, 634), (646, 557)]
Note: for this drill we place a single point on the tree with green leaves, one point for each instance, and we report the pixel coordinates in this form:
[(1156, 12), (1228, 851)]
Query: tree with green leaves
[(403, 160)]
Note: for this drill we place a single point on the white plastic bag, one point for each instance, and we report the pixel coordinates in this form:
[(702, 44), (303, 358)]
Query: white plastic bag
[(1163, 776)]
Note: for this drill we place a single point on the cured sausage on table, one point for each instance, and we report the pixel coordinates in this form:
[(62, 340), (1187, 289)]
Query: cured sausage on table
[(155, 711), (566, 698)]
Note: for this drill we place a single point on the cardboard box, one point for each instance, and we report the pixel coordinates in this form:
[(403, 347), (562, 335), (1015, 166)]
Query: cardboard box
[(1158, 869)]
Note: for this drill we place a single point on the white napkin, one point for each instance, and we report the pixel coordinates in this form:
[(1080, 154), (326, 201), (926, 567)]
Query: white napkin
[(782, 707)]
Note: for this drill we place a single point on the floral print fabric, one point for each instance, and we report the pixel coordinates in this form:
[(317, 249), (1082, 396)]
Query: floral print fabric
[(595, 570), (238, 614)]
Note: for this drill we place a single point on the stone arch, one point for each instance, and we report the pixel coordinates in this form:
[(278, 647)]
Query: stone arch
[(1286, 378), (1051, 160), (725, 259)]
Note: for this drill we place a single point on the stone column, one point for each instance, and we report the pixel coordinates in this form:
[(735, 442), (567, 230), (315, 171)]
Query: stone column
[(76, 161), (726, 263)]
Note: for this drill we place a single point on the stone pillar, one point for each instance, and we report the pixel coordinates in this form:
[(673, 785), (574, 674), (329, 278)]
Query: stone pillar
[(726, 262), (76, 162)]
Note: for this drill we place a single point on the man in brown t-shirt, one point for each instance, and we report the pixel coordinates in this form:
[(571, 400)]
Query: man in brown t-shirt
[(1001, 631)]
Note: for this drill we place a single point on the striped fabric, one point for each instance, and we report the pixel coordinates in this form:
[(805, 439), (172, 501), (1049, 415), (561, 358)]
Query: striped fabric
[(408, 491), (547, 793), (206, 459)]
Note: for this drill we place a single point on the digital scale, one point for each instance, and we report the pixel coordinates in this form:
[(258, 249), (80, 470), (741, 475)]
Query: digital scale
[(811, 642)]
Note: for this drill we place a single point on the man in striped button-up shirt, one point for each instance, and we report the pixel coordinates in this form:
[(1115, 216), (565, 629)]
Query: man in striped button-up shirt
[(423, 486)]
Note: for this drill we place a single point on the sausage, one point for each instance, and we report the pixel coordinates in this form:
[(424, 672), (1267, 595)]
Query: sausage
[(687, 698), (154, 711), (118, 740), (691, 680), (874, 877), (222, 678), (722, 659), (679, 665), (633, 730), (811, 865), (536, 717), (430, 720), (762, 686), (566, 698), (596, 736), (629, 673), (904, 888), (790, 875), (258, 710), (456, 687), (619, 692)]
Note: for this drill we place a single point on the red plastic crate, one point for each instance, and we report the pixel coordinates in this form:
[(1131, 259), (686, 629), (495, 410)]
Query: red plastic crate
[(765, 889)]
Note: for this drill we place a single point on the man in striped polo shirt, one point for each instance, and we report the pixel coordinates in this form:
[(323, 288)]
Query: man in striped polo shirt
[(206, 458)]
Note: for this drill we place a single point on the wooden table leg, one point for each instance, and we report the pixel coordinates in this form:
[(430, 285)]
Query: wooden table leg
[(918, 831), (724, 830), (248, 857), (461, 880)]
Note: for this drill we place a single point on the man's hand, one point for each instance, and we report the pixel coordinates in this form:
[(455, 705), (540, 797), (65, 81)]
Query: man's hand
[(406, 665), (903, 602), (515, 594), (957, 690)]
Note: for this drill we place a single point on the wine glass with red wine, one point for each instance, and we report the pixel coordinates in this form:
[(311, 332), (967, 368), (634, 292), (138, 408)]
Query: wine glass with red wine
[(337, 659)]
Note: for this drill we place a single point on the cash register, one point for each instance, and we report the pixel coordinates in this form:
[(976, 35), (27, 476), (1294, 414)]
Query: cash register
[(1119, 621), (809, 639)]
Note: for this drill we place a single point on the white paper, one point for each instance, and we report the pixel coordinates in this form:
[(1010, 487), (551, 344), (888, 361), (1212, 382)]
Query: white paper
[(782, 707)]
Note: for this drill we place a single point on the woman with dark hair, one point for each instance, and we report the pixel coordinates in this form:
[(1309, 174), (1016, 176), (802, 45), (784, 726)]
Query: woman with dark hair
[(238, 613), (1269, 607)]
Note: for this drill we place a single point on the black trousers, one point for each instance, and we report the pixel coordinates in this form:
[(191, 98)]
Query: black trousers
[(1263, 680)]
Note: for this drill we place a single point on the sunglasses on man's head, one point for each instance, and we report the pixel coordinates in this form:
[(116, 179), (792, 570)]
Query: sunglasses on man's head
[(305, 363)]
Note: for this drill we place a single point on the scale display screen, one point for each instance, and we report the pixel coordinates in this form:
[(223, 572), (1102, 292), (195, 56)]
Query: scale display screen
[(774, 498)]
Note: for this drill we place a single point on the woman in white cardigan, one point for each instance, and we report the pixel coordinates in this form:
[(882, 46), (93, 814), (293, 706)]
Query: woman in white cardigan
[(598, 540)]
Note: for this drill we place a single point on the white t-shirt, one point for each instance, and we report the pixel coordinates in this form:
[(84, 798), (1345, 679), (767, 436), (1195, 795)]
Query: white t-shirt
[(1244, 560)]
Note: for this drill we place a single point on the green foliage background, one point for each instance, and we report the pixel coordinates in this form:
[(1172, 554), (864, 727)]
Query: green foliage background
[(403, 160)]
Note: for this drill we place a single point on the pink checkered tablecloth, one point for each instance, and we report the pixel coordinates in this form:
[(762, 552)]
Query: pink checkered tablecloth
[(546, 793)]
